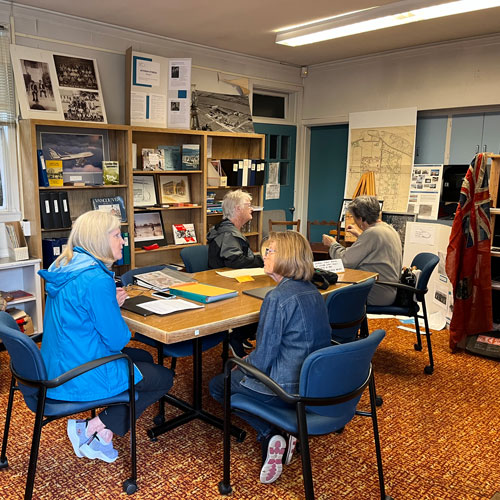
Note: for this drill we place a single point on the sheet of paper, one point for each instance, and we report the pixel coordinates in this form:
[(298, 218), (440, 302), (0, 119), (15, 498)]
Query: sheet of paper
[(147, 73), (169, 306), (251, 271), (272, 191), (274, 168), (334, 265)]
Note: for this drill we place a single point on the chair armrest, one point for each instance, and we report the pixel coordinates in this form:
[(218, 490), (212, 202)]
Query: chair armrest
[(75, 372), (261, 377), (401, 286)]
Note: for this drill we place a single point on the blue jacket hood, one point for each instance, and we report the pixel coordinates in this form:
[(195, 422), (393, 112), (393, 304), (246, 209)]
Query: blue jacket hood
[(57, 278)]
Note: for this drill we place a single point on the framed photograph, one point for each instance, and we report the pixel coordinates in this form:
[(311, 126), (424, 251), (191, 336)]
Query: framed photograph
[(174, 189), (81, 154), (184, 234), (79, 89), (144, 191), (114, 204), (398, 221), (36, 83), (148, 229)]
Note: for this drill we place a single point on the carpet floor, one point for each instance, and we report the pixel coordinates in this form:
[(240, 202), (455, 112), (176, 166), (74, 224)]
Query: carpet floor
[(439, 436)]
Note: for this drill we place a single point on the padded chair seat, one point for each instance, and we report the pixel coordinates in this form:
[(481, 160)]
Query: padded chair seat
[(285, 418), (183, 349), (57, 408)]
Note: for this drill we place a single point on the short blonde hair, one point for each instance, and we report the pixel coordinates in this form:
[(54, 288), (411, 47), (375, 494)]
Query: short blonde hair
[(294, 257), (91, 232), (232, 200)]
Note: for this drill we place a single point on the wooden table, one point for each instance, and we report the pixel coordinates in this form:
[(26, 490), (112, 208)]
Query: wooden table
[(216, 317)]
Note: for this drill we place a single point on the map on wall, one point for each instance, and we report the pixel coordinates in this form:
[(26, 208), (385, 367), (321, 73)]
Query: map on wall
[(386, 147)]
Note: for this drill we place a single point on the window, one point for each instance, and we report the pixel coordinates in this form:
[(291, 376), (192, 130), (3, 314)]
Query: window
[(268, 105), (9, 195)]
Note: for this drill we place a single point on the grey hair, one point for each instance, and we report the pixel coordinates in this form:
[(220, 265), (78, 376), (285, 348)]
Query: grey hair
[(366, 208), (232, 200)]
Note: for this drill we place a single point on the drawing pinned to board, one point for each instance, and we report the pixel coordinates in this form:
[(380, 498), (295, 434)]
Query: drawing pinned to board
[(398, 221)]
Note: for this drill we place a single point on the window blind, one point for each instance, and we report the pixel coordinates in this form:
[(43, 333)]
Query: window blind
[(7, 103)]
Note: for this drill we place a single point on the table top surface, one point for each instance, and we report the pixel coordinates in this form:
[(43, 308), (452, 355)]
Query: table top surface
[(217, 316)]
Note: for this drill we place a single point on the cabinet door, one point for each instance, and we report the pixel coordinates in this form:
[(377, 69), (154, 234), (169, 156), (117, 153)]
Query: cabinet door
[(491, 133), (430, 139), (466, 138)]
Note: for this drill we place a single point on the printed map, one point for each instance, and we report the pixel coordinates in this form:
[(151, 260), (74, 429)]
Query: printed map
[(387, 151)]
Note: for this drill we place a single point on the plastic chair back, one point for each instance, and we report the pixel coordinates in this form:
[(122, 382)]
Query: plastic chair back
[(348, 305), (338, 370), (195, 258), (426, 262)]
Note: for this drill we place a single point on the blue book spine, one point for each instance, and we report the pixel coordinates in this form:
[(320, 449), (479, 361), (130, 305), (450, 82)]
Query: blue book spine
[(43, 179)]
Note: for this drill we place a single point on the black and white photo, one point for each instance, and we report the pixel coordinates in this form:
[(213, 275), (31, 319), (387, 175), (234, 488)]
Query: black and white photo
[(148, 229), (81, 105), (75, 72)]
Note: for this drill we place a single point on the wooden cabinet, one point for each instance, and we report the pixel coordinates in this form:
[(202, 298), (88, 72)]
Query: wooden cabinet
[(430, 140), (119, 141), (472, 134), (116, 147), (23, 275)]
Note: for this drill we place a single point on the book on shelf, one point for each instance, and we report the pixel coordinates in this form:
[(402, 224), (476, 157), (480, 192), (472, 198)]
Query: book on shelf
[(55, 172), (184, 233), (172, 157), (162, 280), (190, 157), (64, 208), (113, 204), (51, 249), (202, 293), (43, 179), (18, 295), (125, 260), (111, 172), (153, 159)]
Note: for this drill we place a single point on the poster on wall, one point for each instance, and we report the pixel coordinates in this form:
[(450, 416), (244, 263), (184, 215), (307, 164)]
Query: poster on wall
[(382, 142), (179, 93), (425, 191), (79, 89), (36, 83)]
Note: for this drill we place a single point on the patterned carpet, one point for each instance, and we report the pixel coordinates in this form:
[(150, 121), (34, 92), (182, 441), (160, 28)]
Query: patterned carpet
[(439, 438)]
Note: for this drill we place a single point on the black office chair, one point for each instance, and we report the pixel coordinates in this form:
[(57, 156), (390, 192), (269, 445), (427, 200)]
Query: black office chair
[(179, 349), (426, 262), (332, 381), (195, 258), (29, 375)]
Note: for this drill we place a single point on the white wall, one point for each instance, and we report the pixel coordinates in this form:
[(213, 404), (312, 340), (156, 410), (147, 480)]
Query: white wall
[(453, 75)]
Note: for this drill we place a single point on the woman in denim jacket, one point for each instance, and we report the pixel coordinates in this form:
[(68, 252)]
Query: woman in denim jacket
[(293, 323)]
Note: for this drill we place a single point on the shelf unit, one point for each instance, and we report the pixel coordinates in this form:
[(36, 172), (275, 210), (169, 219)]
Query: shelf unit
[(117, 145), (120, 138), (495, 235), (23, 275)]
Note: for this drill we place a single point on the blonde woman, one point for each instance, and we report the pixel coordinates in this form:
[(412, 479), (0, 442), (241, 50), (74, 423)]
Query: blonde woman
[(293, 323), (82, 323)]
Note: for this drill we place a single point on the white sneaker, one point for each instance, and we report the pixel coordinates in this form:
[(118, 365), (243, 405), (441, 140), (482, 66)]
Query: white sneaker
[(290, 448), (273, 464)]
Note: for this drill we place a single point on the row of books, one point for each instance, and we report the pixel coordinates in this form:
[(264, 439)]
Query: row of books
[(243, 172), (213, 206), (67, 171), (54, 210), (185, 157)]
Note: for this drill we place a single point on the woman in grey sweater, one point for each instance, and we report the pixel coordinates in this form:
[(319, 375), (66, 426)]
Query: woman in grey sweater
[(377, 249)]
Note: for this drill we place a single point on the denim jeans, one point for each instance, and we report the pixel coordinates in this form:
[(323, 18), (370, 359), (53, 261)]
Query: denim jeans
[(263, 428)]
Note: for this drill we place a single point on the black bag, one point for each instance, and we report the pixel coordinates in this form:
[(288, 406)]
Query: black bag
[(323, 279), (404, 298)]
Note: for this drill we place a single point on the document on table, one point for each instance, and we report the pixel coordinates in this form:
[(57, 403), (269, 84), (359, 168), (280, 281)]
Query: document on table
[(168, 306), (235, 273)]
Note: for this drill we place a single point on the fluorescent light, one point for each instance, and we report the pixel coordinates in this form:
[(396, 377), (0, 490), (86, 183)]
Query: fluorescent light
[(394, 14)]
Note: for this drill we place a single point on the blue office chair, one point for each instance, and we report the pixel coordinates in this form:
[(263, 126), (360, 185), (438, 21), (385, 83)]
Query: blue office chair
[(426, 262), (347, 310), (332, 381), (29, 375), (179, 349), (195, 258)]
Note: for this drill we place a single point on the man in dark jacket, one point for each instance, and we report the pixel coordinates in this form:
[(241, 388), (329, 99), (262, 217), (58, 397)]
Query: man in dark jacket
[(227, 247)]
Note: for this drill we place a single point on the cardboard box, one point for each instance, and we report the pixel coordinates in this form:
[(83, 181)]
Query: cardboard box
[(18, 248)]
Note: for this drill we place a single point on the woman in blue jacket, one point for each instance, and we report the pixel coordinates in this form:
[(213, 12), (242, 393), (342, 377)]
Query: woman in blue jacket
[(82, 323), (293, 323)]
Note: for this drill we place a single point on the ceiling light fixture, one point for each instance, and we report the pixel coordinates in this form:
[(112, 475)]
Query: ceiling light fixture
[(393, 14)]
